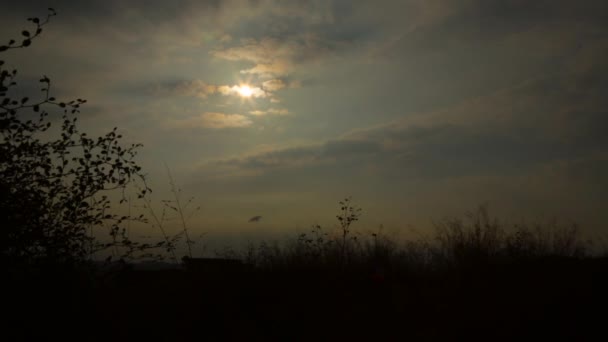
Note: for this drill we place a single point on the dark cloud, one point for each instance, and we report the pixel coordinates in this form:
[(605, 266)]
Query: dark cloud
[(97, 11), (470, 24), (438, 151)]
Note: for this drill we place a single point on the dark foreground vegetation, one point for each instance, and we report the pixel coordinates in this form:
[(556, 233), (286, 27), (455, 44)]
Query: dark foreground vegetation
[(475, 279)]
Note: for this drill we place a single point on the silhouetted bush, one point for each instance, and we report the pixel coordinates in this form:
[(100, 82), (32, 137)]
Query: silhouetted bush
[(54, 191)]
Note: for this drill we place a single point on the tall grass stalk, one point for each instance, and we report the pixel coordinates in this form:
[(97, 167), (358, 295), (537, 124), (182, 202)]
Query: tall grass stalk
[(177, 206), (159, 221)]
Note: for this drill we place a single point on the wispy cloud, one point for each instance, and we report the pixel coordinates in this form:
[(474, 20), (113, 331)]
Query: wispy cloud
[(221, 120), (213, 120), (271, 111), (196, 88), (273, 58), (274, 85)]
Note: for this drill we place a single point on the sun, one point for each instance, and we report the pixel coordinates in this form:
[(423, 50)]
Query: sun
[(245, 91)]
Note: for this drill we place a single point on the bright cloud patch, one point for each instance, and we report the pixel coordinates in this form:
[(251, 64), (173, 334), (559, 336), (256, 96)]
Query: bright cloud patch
[(271, 111), (212, 120), (274, 85), (246, 91), (221, 120)]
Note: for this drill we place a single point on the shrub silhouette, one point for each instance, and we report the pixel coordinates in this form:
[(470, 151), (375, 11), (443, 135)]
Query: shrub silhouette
[(54, 191)]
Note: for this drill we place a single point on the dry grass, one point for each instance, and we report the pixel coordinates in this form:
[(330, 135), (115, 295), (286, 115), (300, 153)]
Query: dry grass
[(473, 241)]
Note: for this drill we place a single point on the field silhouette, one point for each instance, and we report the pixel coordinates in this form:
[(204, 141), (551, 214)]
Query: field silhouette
[(461, 285)]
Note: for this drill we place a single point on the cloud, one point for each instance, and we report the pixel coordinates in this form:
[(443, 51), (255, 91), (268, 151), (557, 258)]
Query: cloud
[(434, 152), (221, 120), (274, 85), (213, 120), (271, 111), (195, 88), (225, 38), (260, 163), (541, 121), (274, 58), (523, 27), (290, 158), (198, 88), (278, 111), (472, 89), (236, 90)]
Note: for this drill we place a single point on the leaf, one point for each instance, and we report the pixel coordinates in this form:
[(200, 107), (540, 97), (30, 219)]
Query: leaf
[(26, 42), (3, 48), (25, 33)]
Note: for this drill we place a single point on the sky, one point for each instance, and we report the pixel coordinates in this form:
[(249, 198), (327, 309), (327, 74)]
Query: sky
[(418, 109)]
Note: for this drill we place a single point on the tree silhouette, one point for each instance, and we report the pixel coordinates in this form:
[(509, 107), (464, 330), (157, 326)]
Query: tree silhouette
[(54, 191)]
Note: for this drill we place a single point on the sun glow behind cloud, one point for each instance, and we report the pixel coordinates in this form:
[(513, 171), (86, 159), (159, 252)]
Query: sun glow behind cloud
[(245, 91)]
